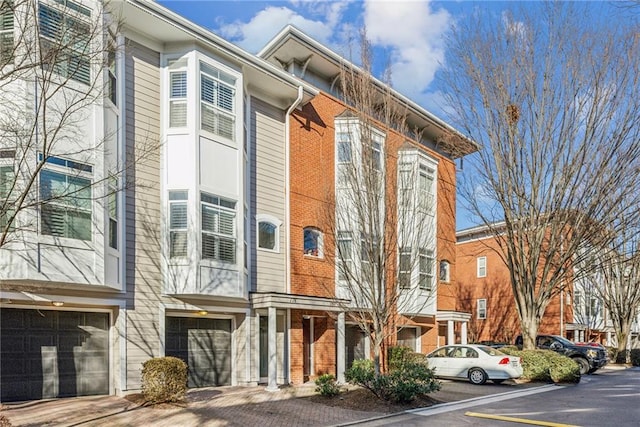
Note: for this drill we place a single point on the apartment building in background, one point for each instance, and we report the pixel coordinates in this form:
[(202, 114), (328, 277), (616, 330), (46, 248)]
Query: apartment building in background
[(212, 249)]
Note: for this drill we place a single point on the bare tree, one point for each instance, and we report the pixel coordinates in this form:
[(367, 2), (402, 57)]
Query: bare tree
[(382, 215), (555, 104), (57, 80)]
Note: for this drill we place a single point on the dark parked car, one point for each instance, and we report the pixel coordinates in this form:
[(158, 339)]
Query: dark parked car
[(589, 358)]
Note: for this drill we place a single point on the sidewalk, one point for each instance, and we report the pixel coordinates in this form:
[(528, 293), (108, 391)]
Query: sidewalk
[(220, 406)]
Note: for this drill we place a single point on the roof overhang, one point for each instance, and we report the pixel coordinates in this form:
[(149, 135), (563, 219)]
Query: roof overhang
[(293, 46), (456, 316), (159, 24), (299, 302)]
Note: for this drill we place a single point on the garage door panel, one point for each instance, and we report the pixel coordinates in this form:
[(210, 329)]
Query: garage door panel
[(60, 354)]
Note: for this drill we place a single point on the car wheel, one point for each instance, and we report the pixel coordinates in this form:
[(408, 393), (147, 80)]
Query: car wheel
[(497, 381), (584, 365), (477, 376)]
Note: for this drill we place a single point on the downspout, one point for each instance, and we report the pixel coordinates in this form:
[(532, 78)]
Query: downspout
[(287, 218), (287, 187)]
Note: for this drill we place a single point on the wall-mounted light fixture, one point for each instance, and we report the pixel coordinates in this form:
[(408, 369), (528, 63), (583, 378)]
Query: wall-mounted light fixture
[(57, 303), (203, 312)]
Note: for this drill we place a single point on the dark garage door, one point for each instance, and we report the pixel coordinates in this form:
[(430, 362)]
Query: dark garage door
[(205, 345), (46, 353)]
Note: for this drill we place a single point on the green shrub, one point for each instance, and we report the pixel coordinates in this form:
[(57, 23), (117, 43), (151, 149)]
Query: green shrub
[(545, 365), (409, 376), (612, 354), (635, 357), (326, 385), (164, 379)]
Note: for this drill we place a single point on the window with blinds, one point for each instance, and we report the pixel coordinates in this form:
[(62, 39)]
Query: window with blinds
[(217, 95), (178, 99), (6, 32), (218, 222), (65, 40), (7, 180), (178, 222), (426, 261), (66, 202)]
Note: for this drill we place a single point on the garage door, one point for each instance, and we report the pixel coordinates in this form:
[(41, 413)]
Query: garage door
[(205, 345), (45, 354)]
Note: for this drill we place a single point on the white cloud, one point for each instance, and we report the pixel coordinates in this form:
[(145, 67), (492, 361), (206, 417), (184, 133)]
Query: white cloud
[(413, 33), (253, 35)]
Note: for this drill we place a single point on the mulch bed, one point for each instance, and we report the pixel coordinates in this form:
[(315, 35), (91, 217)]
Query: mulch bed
[(359, 399)]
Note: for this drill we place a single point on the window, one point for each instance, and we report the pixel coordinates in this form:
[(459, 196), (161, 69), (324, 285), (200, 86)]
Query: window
[(65, 40), (218, 228), (481, 305), (408, 337), (343, 144), (66, 201), (369, 255), (178, 223), (177, 99), (112, 207), (267, 235), (6, 32), (217, 94), (404, 268), (426, 178), (345, 254), (7, 180), (312, 242), (112, 90), (426, 269), (482, 266), (372, 154), (444, 271)]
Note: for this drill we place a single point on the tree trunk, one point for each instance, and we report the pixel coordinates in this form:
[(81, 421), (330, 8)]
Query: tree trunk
[(622, 338), (529, 325)]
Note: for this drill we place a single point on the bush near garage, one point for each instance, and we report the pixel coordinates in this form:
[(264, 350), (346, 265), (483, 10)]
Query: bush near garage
[(545, 365), (164, 379), (409, 376)]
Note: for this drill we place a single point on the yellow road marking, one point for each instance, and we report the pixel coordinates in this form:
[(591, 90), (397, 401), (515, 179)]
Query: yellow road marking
[(517, 420)]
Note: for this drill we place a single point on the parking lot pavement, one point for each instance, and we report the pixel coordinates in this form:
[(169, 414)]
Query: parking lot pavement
[(220, 406)]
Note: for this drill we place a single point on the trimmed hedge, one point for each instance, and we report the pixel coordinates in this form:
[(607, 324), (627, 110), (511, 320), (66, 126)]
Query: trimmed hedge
[(164, 379), (545, 365)]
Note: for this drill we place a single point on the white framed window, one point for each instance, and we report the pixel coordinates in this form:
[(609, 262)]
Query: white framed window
[(426, 181), (65, 39), (482, 266), (481, 308), (268, 232), (444, 271), (218, 222), (404, 268), (343, 147), (177, 94), (344, 253), (408, 337), (217, 101), (112, 83), (372, 153), (426, 262), (6, 32), (65, 196), (178, 223), (7, 182), (313, 242), (112, 208)]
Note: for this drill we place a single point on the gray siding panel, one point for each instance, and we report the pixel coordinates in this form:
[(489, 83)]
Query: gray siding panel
[(144, 279), (268, 195)]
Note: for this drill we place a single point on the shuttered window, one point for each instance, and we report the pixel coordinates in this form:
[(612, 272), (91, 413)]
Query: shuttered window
[(6, 31), (217, 95), (178, 99), (218, 218), (178, 221), (65, 41), (7, 180)]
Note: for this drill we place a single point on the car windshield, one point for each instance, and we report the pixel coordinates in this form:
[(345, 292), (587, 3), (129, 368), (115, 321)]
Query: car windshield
[(563, 340), (490, 350)]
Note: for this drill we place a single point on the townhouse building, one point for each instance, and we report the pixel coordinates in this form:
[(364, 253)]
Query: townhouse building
[(207, 244), (484, 290)]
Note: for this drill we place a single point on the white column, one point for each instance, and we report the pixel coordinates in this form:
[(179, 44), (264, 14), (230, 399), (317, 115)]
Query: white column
[(609, 338), (340, 349), (463, 333), (450, 336), (273, 361)]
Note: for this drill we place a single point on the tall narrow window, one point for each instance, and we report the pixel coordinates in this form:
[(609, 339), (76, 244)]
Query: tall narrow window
[(178, 223), (345, 254), (404, 268), (426, 178), (343, 145), (313, 242), (369, 256), (7, 180), (444, 271), (112, 90), (481, 308), (6, 32), (217, 95), (426, 269), (218, 217), (66, 200), (267, 235), (482, 266), (112, 206), (372, 154), (178, 99)]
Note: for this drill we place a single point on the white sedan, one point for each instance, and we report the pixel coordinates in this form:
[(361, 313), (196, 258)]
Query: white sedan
[(478, 363)]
